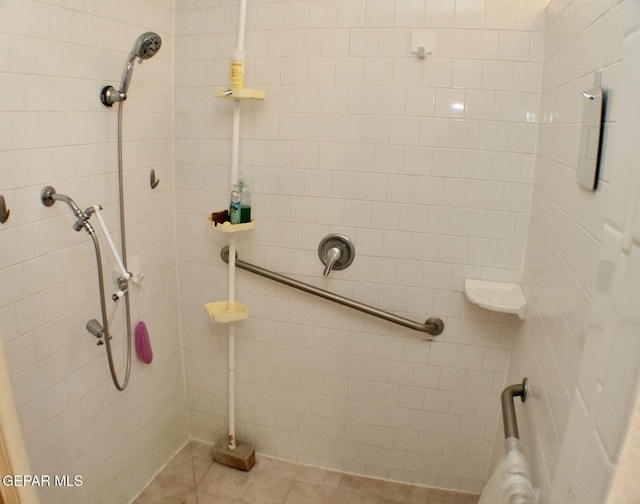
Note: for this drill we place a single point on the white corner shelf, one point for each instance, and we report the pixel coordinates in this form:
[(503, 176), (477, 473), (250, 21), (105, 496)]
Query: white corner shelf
[(223, 312), (240, 94), (227, 227), (500, 297)]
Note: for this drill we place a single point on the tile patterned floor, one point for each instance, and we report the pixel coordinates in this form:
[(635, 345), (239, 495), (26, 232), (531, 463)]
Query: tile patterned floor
[(192, 478)]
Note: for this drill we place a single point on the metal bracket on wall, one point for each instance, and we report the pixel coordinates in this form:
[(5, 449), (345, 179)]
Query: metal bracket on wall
[(4, 211)]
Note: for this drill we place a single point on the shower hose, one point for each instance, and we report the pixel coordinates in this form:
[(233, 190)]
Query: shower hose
[(120, 385)]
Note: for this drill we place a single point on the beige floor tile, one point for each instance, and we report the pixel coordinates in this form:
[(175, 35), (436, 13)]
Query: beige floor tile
[(180, 470), (361, 485), (317, 476), (223, 481), (199, 497), (276, 467), (274, 481), (307, 493), (200, 468), (163, 491), (400, 493), (342, 497), (266, 489)]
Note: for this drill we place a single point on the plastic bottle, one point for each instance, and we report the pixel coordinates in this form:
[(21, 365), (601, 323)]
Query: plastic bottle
[(237, 69), (234, 205), (245, 202), (240, 204)]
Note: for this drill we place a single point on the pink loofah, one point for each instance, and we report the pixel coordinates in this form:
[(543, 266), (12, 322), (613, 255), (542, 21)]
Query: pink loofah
[(143, 345)]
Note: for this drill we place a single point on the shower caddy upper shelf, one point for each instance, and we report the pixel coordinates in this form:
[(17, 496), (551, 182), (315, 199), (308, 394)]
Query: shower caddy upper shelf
[(500, 297), (240, 94)]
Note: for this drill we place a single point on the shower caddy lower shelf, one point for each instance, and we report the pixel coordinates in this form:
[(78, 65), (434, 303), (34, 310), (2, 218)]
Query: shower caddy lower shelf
[(221, 311)]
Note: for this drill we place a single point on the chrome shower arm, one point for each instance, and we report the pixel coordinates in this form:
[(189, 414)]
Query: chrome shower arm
[(49, 196)]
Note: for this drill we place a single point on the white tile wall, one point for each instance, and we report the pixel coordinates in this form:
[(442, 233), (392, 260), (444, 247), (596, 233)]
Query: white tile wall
[(54, 59), (575, 346), (425, 164)]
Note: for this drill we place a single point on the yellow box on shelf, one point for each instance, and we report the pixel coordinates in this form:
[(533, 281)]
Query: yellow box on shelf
[(240, 94), (223, 312), (227, 227)]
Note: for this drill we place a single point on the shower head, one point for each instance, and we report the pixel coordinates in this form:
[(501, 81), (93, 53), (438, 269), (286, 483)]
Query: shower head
[(145, 47)]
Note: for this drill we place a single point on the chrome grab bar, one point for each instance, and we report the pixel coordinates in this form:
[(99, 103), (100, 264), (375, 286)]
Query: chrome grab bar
[(509, 419), (433, 325)]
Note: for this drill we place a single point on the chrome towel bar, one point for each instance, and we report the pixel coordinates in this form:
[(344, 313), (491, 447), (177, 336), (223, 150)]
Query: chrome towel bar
[(509, 419), (433, 325)]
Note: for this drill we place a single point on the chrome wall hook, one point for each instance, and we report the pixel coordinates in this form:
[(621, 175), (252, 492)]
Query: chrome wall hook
[(153, 181), (4, 211)]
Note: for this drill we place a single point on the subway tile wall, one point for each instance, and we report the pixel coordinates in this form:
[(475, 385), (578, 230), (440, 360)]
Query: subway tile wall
[(607, 385), (54, 59), (568, 252), (427, 165)]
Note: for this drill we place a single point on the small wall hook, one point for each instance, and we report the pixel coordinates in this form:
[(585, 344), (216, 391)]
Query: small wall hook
[(4, 211), (153, 181), (421, 52)]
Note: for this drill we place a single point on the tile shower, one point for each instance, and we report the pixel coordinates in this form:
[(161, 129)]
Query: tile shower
[(426, 164), (357, 136)]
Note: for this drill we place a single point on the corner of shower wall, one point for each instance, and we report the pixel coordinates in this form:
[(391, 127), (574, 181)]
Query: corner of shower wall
[(565, 229)]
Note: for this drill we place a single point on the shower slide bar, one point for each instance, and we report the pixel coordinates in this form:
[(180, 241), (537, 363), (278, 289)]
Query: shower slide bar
[(433, 325), (509, 419)]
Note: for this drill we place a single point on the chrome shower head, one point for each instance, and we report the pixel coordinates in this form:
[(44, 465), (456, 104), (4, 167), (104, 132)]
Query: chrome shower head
[(145, 47)]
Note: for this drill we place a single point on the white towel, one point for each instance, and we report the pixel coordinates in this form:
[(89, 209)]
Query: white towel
[(510, 483)]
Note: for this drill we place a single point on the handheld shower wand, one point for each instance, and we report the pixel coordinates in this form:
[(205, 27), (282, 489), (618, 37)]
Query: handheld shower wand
[(48, 196), (145, 47)]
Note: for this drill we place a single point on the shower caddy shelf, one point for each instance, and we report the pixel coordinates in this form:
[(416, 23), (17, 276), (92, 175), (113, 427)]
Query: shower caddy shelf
[(232, 228), (224, 312), (240, 94), (503, 297)]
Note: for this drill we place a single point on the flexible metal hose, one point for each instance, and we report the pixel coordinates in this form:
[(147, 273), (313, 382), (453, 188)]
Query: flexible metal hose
[(123, 246), (123, 254), (105, 321)]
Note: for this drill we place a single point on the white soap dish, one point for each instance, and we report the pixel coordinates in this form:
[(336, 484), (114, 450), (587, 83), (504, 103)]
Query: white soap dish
[(501, 297)]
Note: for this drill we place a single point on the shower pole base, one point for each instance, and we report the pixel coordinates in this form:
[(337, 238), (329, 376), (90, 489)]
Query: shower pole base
[(243, 457)]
